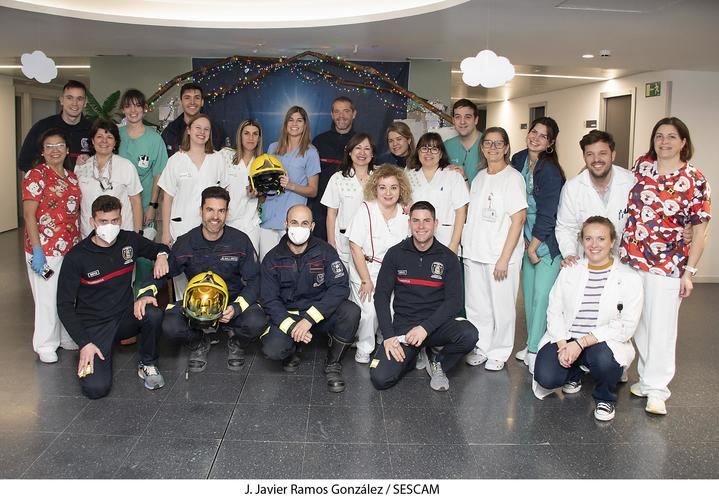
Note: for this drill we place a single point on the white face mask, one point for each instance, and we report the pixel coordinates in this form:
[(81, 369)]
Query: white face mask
[(298, 235), (108, 232)]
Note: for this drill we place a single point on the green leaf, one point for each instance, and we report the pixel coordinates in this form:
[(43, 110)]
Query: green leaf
[(93, 110), (110, 103)]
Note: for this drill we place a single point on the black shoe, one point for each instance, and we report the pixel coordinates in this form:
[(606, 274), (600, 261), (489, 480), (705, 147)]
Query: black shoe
[(291, 363), (336, 350), (235, 354), (199, 349)]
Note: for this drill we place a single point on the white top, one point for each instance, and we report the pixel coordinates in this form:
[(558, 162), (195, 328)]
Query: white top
[(377, 241), (344, 194), (579, 200), (124, 181), (494, 198), (242, 212), (447, 192), (182, 180)]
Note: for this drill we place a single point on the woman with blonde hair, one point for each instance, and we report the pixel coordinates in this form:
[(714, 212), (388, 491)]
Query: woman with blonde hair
[(379, 224), (400, 145)]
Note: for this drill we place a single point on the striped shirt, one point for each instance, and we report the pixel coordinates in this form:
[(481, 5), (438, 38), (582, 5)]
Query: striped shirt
[(586, 320)]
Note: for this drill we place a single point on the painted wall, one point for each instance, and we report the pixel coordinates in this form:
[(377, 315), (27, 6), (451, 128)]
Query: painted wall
[(8, 171), (431, 80), (689, 95)]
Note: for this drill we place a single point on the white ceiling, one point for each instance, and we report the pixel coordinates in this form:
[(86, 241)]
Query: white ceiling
[(544, 35)]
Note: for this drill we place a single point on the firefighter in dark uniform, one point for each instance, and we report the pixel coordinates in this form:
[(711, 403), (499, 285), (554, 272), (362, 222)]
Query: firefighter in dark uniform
[(229, 253), (304, 291), (424, 276)]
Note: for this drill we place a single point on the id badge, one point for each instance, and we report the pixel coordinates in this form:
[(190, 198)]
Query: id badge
[(489, 215)]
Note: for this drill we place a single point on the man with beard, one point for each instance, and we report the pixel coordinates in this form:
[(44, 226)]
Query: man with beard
[(463, 149), (600, 189), (331, 148)]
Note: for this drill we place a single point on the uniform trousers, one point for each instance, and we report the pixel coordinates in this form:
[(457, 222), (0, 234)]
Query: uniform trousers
[(367, 330), (342, 324), (49, 333), (537, 281), (491, 307), (268, 240), (458, 337), (656, 334), (247, 326), (99, 383)]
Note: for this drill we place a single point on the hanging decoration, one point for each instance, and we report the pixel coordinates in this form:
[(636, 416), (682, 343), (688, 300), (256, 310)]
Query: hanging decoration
[(486, 69), (310, 66), (38, 66)]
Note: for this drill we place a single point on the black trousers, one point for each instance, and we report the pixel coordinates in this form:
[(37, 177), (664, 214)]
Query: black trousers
[(99, 383), (342, 324), (247, 326), (458, 336)]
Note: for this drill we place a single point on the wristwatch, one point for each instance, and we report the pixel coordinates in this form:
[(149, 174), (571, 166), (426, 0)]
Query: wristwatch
[(691, 270), (154, 205)]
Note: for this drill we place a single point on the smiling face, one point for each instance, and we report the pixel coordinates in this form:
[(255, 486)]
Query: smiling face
[(342, 116), (668, 143), (361, 155), (598, 158), (597, 243), (191, 102), (398, 144), (429, 155), (388, 191), (250, 137), (199, 131), (73, 103), (494, 148), (133, 112), (54, 151), (295, 125), (465, 121), (104, 142), (422, 226), (213, 213), (538, 139)]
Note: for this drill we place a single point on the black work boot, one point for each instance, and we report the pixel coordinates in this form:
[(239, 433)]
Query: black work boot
[(336, 350), (235, 354), (199, 349), (291, 363)]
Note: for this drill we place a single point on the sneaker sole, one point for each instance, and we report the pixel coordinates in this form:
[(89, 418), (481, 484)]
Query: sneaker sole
[(656, 411), (240, 365), (636, 393), (473, 363), (141, 375), (441, 388), (493, 368), (604, 417), (573, 391)]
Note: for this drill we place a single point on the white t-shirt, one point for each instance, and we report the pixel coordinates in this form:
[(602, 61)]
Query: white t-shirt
[(124, 181), (384, 234), (182, 180), (447, 192), (493, 200), (242, 212)]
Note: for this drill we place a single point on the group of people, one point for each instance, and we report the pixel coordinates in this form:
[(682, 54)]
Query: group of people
[(415, 257)]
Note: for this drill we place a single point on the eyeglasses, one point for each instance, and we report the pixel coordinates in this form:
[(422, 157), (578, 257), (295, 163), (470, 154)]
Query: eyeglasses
[(58, 146), (493, 144), (429, 149), (536, 134)]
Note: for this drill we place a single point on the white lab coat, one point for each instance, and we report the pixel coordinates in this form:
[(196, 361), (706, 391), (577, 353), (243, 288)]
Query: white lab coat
[(346, 195), (242, 213), (579, 200)]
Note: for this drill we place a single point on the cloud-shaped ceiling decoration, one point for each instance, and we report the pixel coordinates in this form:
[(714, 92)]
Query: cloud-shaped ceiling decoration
[(486, 69), (38, 66)]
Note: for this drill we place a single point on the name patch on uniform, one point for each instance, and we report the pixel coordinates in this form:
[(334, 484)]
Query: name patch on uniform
[(93, 273), (127, 254), (319, 280), (437, 270), (402, 273), (338, 269), (232, 259)]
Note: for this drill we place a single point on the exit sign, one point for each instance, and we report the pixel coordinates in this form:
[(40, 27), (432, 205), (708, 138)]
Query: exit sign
[(653, 89)]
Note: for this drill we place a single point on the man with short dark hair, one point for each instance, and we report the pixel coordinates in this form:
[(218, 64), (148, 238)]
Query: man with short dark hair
[(70, 120), (228, 253), (463, 149), (192, 98), (304, 291), (424, 277), (94, 299), (331, 148)]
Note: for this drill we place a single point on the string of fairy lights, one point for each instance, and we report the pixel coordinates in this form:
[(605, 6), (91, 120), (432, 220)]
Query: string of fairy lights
[(251, 72)]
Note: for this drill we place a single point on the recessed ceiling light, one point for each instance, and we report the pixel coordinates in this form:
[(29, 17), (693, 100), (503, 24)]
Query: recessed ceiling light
[(588, 56)]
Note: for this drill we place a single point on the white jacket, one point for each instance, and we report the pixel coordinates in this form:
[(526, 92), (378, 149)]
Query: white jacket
[(623, 286), (579, 200)]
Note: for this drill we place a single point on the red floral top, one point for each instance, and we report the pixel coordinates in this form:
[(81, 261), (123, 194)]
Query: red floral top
[(58, 210), (658, 209)]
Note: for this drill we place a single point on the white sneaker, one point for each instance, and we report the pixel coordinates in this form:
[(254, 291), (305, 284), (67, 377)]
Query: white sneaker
[(493, 365), (475, 357), (521, 354), (48, 357), (422, 361), (530, 359), (438, 379), (636, 390), (604, 411), (362, 357), (656, 406)]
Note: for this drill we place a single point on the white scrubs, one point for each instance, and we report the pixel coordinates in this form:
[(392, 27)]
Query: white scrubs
[(447, 192), (374, 242), (242, 213), (344, 194), (491, 304), (124, 181)]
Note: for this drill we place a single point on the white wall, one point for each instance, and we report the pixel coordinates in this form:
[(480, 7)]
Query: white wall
[(689, 95), (8, 170)]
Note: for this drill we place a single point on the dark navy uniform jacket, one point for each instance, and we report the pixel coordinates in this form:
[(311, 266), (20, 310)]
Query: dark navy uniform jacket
[(310, 285)]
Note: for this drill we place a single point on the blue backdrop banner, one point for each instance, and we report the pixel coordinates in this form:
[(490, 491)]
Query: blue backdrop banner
[(268, 101)]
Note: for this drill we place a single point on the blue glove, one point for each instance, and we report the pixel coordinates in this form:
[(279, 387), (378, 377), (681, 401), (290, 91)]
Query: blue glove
[(38, 260)]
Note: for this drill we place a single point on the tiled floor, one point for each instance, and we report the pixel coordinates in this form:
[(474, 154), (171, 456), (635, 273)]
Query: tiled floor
[(262, 423)]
